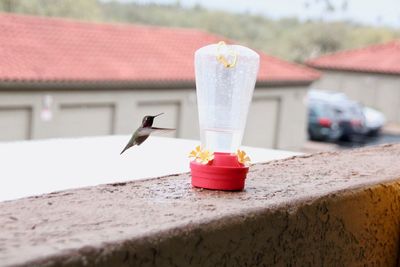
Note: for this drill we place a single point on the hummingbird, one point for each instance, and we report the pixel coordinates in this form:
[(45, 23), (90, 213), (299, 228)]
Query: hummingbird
[(144, 131)]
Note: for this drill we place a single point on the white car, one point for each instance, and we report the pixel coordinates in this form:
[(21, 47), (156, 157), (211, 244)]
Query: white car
[(374, 120)]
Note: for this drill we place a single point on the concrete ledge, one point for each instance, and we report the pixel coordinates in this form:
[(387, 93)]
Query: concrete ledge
[(327, 209)]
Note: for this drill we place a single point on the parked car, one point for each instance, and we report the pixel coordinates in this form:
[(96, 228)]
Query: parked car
[(323, 125), (333, 116), (374, 121)]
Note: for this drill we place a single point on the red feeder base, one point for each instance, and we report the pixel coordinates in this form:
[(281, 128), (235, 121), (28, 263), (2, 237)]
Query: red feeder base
[(223, 173)]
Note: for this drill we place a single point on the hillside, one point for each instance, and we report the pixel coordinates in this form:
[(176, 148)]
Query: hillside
[(285, 38)]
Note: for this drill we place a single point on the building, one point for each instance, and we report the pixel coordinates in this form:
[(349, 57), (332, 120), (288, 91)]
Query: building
[(63, 78), (370, 75)]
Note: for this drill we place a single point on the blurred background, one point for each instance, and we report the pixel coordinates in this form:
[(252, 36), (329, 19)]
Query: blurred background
[(329, 75)]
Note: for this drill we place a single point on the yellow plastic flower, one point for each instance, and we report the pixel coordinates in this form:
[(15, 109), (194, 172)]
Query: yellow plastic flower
[(201, 156), (194, 154), (205, 157), (243, 158)]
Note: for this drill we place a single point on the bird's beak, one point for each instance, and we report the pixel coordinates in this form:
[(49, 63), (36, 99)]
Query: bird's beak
[(158, 115)]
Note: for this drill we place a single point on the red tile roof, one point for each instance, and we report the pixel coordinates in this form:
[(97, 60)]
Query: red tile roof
[(45, 49), (382, 58)]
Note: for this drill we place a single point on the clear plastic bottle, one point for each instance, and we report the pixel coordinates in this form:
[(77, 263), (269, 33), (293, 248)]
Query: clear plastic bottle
[(224, 93)]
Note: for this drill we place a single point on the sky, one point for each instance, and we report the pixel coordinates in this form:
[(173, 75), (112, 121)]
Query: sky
[(370, 12)]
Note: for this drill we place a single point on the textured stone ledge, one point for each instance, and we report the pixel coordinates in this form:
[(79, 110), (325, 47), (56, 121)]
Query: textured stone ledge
[(327, 209)]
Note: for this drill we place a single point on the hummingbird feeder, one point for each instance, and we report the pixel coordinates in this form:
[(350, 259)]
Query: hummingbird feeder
[(225, 80)]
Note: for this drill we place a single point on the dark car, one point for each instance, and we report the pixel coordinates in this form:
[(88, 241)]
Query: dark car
[(323, 123)]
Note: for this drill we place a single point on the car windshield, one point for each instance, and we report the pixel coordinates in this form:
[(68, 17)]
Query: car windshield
[(321, 109)]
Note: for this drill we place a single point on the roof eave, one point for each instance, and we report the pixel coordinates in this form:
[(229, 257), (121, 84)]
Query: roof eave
[(92, 85), (43, 85), (353, 70), (284, 83)]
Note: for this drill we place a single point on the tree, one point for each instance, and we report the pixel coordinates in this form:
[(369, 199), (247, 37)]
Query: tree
[(82, 9)]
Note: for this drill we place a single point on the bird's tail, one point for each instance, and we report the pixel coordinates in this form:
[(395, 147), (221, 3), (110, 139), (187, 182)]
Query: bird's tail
[(124, 150)]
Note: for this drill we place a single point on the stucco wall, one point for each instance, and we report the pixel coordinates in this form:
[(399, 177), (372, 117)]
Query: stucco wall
[(277, 118), (326, 209), (379, 91)]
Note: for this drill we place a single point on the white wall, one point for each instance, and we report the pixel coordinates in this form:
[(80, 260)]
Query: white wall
[(277, 117), (375, 90)]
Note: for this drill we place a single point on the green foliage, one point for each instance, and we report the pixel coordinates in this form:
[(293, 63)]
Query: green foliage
[(81, 9), (285, 38)]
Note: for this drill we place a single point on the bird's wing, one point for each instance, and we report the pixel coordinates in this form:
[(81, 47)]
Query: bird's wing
[(142, 134), (149, 130)]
